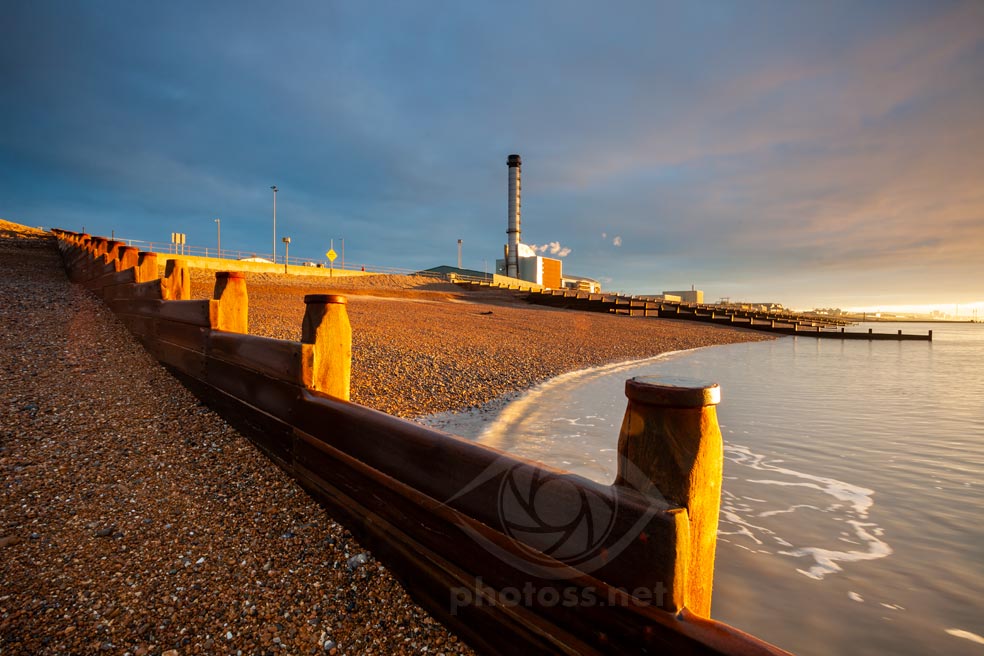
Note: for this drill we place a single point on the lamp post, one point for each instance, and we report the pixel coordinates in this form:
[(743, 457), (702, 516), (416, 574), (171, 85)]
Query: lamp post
[(218, 237), (459, 253), (286, 241), (274, 250)]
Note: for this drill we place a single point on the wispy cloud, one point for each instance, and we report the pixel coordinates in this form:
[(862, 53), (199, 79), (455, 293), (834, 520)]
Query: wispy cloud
[(552, 248), (793, 151)]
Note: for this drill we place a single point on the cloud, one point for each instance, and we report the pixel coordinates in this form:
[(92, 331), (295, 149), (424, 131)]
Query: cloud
[(553, 248), (842, 142)]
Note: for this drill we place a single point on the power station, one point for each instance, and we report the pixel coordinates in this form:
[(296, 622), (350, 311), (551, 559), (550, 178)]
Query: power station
[(520, 262), (515, 187), (521, 265)]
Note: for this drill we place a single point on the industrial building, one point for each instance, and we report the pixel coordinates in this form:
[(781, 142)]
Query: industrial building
[(581, 284), (520, 262), (691, 295), (530, 267), (665, 297)]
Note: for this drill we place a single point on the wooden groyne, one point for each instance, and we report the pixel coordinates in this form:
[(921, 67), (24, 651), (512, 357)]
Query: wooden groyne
[(783, 323), (513, 556)]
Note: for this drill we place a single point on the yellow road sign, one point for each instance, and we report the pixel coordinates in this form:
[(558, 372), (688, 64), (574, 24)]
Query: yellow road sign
[(331, 255)]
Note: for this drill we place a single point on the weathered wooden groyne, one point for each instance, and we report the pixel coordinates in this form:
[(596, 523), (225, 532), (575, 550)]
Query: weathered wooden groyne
[(512, 555), (783, 323)]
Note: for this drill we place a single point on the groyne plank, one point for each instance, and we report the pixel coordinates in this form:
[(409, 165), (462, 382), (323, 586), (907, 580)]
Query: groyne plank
[(277, 358), (150, 290), (470, 476), (185, 335), (114, 278), (429, 561), (185, 360), (274, 437), (196, 313)]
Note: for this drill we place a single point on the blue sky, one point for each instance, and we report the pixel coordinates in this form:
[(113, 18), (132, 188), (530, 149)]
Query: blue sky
[(814, 154)]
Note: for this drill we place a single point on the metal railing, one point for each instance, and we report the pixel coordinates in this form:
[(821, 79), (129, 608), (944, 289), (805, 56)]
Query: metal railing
[(234, 254)]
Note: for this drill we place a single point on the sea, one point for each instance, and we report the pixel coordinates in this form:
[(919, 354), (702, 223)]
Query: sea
[(852, 516)]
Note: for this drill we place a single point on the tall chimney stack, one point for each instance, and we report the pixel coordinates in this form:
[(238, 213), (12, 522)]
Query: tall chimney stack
[(512, 232)]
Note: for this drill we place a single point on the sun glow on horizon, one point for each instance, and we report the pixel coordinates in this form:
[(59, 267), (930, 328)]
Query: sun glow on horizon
[(966, 310)]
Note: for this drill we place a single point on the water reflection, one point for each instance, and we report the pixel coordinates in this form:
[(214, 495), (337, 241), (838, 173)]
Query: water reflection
[(853, 482)]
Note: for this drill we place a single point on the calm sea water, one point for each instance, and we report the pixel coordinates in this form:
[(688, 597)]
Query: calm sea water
[(853, 500)]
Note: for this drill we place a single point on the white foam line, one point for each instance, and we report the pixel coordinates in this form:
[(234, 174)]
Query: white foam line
[(857, 496), (825, 560), (966, 635), (511, 416)]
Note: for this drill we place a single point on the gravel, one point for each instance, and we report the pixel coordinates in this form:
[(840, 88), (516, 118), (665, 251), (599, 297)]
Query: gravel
[(134, 520), (428, 347)]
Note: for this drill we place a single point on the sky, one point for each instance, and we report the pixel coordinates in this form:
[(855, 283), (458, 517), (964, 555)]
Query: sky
[(815, 154)]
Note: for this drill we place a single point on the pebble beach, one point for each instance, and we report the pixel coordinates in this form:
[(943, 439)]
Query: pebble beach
[(134, 520), (422, 346)]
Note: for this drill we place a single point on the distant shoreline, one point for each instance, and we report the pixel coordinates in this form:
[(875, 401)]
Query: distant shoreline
[(883, 320)]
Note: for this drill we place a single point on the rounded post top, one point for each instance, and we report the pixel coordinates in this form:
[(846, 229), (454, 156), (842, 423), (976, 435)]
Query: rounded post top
[(232, 275), (672, 392), (513, 160), (325, 298)]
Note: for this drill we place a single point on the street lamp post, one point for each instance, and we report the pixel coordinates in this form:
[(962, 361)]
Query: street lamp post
[(274, 250), (286, 252), (218, 237)]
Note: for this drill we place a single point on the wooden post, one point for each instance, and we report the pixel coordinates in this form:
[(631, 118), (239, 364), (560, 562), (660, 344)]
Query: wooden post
[(326, 338), (232, 314), (146, 267), (176, 285), (94, 251), (113, 249), (98, 246), (670, 445), (127, 258)]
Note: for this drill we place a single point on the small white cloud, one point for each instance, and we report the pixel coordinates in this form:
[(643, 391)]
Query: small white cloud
[(604, 235), (553, 248), (617, 241)]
